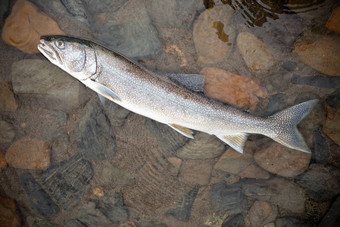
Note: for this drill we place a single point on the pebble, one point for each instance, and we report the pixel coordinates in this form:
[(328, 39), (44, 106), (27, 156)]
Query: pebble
[(254, 171), (214, 35), (332, 127), (94, 134), (278, 191), (332, 217), (174, 165), (28, 153), (321, 183), (7, 100), (37, 196), (255, 53), (204, 146), (3, 162), (196, 171), (114, 208), (48, 83), (236, 220), (183, 211), (66, 182), (261, 213), (7, 132), (316, 81), (322, 54), (90, 215), (333, 22), (9, 214), (240, 91), (280, 160), (26, 18)]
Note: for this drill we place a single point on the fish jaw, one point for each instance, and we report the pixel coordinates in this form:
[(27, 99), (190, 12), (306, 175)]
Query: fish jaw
[(49, 52)]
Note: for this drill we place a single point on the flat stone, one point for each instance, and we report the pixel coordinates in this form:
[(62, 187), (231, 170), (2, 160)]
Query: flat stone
[(316, 81), (214, 34), (196, 171), (320, 182), (114, 208), (7, 100), (37, 196), (322, 54), (276, 191), (183, 211), (3, 162), (28, 153), (26, 18), (332, 217), (68, 181), (203, 146), (227, 199), (54, 87), (111, 175), (243, 92), (254, 171), (333, 22), (255, 53), (261, 213), (236, 220), (130, 31), (90, 215), (321, 149), (282, 161), (332, 127), (9, 214), (7, 132), (174, 165), (94, 134)]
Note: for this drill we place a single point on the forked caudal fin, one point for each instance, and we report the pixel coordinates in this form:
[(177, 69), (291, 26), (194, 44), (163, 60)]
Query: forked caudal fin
[(284, 125)]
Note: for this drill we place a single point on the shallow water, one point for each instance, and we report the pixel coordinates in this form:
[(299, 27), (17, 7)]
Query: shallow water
[(68, 160)]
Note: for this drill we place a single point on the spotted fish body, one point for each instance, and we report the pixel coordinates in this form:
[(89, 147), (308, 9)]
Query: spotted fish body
[(146, 93)]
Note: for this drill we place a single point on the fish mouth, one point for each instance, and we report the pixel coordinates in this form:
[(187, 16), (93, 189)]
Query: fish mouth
[(48, 51)]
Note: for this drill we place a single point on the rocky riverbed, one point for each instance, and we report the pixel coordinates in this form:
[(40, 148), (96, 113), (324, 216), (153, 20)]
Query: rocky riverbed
[(68, 160)]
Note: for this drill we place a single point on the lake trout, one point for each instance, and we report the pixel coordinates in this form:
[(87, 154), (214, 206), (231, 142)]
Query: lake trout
[(146, 93)]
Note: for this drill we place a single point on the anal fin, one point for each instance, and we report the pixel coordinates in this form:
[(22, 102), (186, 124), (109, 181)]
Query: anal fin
[(236, 141), (182, 130)]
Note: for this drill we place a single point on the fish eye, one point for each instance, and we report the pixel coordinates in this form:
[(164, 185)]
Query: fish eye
[(60, 44)]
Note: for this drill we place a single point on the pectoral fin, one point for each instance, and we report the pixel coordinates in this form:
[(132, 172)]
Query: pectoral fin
[(102, 90), (183, 130), (236, 141)]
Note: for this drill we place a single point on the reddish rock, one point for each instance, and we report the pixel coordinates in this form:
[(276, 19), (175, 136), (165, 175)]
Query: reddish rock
[(282, 161), (261, 213), (333, 22), (28, 153), (174, 165), (254, 171), (332, 127), (25, 25), (7, 100), (237, 90), (9, 215), (196, 171), (3, 162)]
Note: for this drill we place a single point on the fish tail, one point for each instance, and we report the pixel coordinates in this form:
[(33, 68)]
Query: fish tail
[(284, 126)]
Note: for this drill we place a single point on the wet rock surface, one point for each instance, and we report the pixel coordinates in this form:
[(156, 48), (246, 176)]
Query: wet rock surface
[(9, 214), (7, 100)]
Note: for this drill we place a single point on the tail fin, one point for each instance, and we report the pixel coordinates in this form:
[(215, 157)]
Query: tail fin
[(285, 125)]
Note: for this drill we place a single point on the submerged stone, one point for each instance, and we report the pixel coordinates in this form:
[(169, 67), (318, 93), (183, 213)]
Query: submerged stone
[(9, 214), (114, 208), (3, 162), (236, 220), (333, 22), (332, 127), (316, 81), (261, 213), (196, 171), (90, 215), (332, 217), (7, 100), (7, 132)]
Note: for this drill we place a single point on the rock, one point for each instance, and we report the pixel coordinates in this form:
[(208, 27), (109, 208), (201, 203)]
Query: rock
[(38, 198), (276, 103), (77, 9), (253, 171), (94, 134), (291, 221), (262, 213), (7, 132), (227, 199), (280, 160), (114, 208), (98, 191), (276, 191), (111, 175), (116, 113), (74, 223), (321, 150), (332, 127), (130, 31), (196, 171), (90, 215), (153, 224), (333, 22), (255, 53), (214, 35), (321, 54), (60, 148), (234, 162), (28, 153), (204, 146), (168, 138), (68, 181), (183, 211), (333, 100), (321, 183), (47, 82), (237, 90), (316, 81), (332, 217), (215, 220), (9, 214), (236, 220), (290, 66), (32, 24), (37, 222), (7, 100), (3, 162), (174, 166)]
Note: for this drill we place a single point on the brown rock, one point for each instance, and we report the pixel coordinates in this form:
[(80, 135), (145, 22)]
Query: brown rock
[(237, 90), (333, 22), (174, 165), (25, 25), (7, 100), (28, 153), (254, 171), (322, 54), (9, 215), (3, 162), (332, 127), (261, 213), (281, 160), (196, 171)]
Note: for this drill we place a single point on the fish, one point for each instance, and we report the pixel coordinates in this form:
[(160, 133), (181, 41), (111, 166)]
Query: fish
[(149, 94)]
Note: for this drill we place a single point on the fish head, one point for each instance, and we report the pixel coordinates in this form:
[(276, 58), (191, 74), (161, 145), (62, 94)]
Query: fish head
[(75, 56)]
